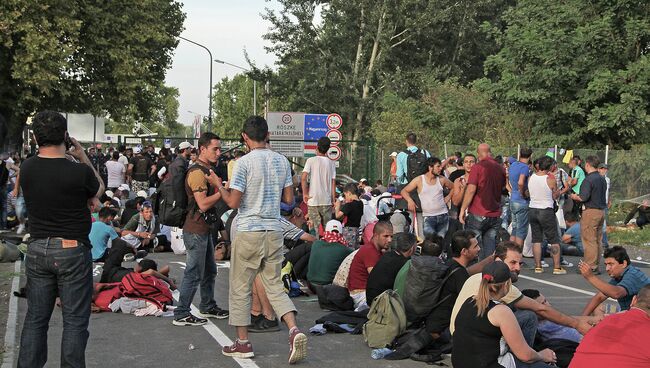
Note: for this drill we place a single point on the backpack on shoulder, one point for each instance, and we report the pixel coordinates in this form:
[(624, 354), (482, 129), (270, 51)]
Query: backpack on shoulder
[(416, 164), (170, 201), (386, 320), (425, 280)]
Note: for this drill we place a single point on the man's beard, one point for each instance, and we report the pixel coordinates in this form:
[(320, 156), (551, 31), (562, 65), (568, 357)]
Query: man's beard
[(514, 276)]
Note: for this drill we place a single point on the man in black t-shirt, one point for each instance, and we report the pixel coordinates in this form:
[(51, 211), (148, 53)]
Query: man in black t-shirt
[(382, 276), (139, 169), (60, 261)]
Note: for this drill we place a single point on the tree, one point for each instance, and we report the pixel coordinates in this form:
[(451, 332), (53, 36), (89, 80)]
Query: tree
[(233, 103), (79, 56), (581, 67)]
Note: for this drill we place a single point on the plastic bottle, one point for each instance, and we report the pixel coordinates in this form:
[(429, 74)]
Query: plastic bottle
[(380, 353)]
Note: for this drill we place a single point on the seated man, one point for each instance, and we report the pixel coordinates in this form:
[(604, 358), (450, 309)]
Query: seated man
[(644, 215), (548, 330), (114, 272), (364, 261), (626, 280), (141, 228), (571, 240), (620, 340), (131, 208), (327, 254), (102, 234), (383, 274)]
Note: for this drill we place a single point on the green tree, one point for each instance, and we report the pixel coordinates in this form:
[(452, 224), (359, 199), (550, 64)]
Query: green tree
[(233, 103), (79, 56), (581, 67)]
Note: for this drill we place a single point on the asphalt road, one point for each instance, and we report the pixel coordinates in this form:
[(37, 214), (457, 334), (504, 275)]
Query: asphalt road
[(118, 340)]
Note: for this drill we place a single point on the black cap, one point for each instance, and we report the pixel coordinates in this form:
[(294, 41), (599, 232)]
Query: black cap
[(603, 166), (496, 273)]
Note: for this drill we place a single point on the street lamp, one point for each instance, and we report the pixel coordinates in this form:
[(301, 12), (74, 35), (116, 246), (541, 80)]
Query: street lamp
[(254, 82), (210, 95)]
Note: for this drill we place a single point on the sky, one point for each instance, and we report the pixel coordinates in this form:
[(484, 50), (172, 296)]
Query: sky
[(226, 28)]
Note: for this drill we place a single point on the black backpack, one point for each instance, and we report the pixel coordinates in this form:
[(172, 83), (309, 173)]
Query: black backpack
[(170, 200), (140, 169), (424, 282), (416, 164)]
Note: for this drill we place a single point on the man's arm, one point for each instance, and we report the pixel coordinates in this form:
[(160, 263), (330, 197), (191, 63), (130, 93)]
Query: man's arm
[(521, 183), (406, 192), (470, 191), (458, 192), (609, 290), (552, 314), (594, 302), (80, 155), (333, 191), (232, 197), (478, 267), (401, 166), (303, 184)]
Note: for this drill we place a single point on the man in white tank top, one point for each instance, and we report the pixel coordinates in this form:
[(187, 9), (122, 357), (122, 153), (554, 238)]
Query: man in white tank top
[(543, 223), (430, 187)]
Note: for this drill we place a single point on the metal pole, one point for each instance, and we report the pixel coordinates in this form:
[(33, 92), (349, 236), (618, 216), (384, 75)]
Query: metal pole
[(95, 131), (382, 164), (446, 155), (210, 94), (555, 153), (606, 153), (518, 152), (254, 97), (267, 106)]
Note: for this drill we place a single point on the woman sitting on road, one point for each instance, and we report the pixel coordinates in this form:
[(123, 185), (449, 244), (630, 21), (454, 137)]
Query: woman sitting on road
[(481, 323)]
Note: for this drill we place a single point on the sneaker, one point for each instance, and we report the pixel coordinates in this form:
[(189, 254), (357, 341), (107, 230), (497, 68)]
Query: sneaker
[(265, 325), (297, 346), (239, 350), (215, 312), (190, 320), (254, 319), (544, 264), (129, 257), (566, 263), (539, 270), (559, 271), (141, 254), (21, 229)]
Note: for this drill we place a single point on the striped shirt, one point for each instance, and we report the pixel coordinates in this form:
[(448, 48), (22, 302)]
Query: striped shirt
[(261, 176)]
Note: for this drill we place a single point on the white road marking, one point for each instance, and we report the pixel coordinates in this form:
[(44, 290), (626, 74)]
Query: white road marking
[(576, 290), (219, 336), (642, 262), (12, 317)]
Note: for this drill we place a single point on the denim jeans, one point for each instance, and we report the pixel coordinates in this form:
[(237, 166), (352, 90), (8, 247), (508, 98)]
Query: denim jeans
[(67, 273), (437, 225), (519, 213), (486, 229), (3, 207), (200, 270)]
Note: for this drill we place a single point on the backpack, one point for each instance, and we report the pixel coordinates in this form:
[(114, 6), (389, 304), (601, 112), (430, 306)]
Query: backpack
[(416, 164), (424, 282), (170, 200), (140, 169), (146, 287), (386, 320)]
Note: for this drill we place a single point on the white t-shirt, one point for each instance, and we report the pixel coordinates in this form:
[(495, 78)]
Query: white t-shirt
[(116, 172), (123, 160), (321, 172)]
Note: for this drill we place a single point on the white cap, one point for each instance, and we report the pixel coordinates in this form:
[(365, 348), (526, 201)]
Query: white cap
[(124, 187), (137, 149), (393, 154), (109, 194), (364, 179), (334, 225), (142, 194), (184, 145)]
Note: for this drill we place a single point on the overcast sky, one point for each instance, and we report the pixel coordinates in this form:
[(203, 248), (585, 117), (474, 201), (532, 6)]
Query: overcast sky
[(226, 28)]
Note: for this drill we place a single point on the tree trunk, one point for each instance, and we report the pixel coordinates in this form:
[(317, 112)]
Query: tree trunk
[(357, 60)]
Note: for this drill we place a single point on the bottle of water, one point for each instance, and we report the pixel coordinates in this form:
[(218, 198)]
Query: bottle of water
[(380, 353)]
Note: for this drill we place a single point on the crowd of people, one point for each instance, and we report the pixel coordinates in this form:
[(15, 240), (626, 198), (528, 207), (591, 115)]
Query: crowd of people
[(444, 237)]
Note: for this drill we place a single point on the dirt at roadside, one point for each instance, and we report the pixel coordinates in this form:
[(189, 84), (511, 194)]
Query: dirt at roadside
[(6, 277)]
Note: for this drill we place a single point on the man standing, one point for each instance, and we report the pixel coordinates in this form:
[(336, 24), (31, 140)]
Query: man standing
[(519, 196), (115, 172), (418, 161), (261, 180), (320, 194), (139, 170), (60, 262), (602, 170), (201, 268), (177, 171), (577, 174), (593, 192), (482, 200)]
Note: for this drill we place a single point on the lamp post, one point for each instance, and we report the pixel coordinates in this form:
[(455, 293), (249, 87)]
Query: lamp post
[(210, 95), (254, 82)]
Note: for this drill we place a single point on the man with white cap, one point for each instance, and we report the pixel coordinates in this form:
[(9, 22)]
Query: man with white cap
[(140, 169), (327, 254)]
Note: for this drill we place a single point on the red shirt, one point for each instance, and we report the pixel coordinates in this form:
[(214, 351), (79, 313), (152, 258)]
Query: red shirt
[(367, 256), (490, 179), (619, 340)]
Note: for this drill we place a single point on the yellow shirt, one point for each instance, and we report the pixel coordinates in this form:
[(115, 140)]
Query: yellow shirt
[(231, 168), (470, 289)]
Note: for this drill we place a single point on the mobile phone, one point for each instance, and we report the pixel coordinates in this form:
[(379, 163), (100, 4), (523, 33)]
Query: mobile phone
[(67, 141)]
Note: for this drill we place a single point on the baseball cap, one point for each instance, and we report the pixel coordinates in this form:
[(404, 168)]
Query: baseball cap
[(364, 179), (334, 225), (109, 193), (603, 166), (137, 149), (496, 273), (124, 187), (184, 145), (393, 154), (142, 194)]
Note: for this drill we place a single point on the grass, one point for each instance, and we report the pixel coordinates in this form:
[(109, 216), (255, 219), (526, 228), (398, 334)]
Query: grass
[(634, 237)]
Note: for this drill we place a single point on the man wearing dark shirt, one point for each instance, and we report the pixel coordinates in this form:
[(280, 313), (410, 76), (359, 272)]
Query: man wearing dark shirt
[(593, 196), (482, 200), (383, 274), (60, 261)]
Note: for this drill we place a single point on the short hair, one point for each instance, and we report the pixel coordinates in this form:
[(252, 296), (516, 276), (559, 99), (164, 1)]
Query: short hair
[(525, 152), (238, 153), (545, 163), (49, 128), (593, 161), (411, 138), (106, 212), (121, 148), (430, 248), (115, 155), (618, 253), (323, 144), (351, 188), (256, 128), (571, 216), (378, 182), (432, 161), (206, 138), (503, 247), (403, 242), (382, 227), (469, 155), (499, 159), (643, 298), (147, 264), (531, 293), (461, 240)]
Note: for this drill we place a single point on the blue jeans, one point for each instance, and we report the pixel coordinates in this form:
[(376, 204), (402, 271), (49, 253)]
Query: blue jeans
[(200, 270), (519, 212), (67, 273), (3, 207), (437, 225), (486, 229)]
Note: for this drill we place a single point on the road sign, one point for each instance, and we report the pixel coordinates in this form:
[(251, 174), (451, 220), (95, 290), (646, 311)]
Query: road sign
[(167, 143), (335, 136), (334, 153), (334, 121)]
